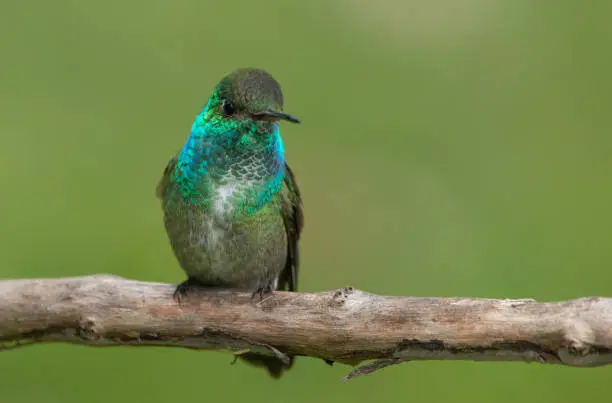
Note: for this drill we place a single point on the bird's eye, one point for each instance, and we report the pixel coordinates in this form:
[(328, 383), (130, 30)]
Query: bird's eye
[(227, 107)]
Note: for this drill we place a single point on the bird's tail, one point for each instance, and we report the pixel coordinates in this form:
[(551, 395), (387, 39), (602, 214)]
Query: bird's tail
[(275, 367)]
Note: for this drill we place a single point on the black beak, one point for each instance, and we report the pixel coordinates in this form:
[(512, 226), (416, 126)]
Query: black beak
[(275, 115)]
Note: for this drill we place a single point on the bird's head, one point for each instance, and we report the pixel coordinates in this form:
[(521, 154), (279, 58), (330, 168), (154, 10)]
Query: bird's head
[(249, 101)]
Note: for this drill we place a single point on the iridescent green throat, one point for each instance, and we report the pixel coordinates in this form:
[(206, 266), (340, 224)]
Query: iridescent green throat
[(230, 165)]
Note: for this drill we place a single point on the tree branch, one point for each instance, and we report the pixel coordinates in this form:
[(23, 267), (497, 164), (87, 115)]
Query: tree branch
[(346, 325)]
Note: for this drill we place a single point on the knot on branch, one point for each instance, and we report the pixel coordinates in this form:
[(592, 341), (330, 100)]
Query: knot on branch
[(89, 329), (579, 337), (341, 296)]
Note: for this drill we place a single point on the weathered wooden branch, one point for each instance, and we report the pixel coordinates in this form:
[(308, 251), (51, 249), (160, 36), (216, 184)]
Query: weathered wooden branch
[(346, 325)]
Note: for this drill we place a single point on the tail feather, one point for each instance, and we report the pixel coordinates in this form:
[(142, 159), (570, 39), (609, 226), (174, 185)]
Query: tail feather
[(275, 367)]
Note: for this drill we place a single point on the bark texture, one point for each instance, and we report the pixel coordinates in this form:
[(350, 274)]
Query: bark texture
[(346, 325)]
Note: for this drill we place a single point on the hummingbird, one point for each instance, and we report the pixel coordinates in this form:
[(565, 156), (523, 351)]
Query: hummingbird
[(231, 206)]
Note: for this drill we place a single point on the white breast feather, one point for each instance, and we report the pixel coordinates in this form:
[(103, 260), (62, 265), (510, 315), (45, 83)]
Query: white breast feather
[(223, 204)]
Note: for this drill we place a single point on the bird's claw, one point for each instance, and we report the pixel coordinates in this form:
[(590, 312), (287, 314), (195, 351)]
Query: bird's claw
[(181, 291), (262, 292)]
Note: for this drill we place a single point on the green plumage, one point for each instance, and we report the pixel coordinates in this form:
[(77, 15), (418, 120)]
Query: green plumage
[(232, 208)]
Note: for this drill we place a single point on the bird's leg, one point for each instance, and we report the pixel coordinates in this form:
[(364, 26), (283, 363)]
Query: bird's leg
[(185, 287), (263, 291)]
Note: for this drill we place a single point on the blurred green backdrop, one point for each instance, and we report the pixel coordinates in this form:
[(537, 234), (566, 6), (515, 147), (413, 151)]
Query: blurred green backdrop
[(448, 148)]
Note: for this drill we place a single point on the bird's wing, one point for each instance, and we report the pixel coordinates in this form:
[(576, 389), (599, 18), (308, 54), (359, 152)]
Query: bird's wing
[(165, 179), (293, 216)]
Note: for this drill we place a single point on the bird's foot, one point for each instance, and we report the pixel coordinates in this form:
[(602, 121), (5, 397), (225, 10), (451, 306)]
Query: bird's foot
[(261, 292), (184, 288)]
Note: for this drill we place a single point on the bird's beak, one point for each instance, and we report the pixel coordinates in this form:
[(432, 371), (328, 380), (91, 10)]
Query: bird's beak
[(271, 114)]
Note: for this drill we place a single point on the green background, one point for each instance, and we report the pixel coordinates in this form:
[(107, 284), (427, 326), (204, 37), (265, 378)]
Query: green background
[(448, 148)]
